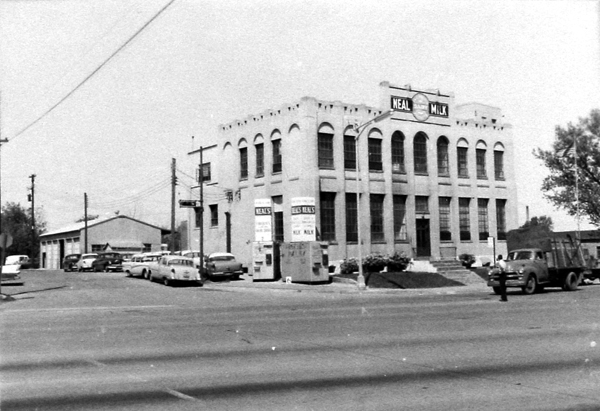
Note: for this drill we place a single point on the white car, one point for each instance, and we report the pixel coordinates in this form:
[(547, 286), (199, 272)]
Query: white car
[(194, 255), (85, 262), (151, 261), (174, 268)]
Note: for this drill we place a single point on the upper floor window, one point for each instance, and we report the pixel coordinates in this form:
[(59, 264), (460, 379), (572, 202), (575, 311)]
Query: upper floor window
[(375, 157), (499, 165), (276, 145), (349, 152), (214, 215), (260, 159), (398, 152), (325, 145), (203, 173), (420, 153), (462, 161), (480, 154), (243, 163), (442, 157)]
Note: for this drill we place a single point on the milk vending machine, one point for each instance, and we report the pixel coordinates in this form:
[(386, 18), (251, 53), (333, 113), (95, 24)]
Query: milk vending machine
[(265, 261)]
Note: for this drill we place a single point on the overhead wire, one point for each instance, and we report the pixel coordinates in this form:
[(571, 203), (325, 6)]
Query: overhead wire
[(89, 76)]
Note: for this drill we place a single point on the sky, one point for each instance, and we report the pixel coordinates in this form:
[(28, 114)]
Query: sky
[(99, 97)]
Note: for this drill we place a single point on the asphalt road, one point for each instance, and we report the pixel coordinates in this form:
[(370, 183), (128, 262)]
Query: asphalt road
[(98, 341)]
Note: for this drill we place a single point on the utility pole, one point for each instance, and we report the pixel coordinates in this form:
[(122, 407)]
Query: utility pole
[(173, 185), (3, 245), (85, 231), (32, 177)]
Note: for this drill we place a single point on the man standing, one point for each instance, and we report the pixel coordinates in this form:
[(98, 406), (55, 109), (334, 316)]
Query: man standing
[(502, 278)]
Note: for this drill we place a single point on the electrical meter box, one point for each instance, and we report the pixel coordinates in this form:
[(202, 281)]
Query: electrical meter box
[(305, 262), (263, 261)]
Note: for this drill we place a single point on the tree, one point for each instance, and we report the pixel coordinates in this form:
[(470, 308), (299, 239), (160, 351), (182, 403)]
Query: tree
[(542, 221), (16, 221), (574, 166), (89, 218)]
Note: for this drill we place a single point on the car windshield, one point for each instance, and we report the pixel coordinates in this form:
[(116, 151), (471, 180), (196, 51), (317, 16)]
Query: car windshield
[(181, 262), (90, 256), (192, 254), (520, 255), (111, 255), (151, 258)]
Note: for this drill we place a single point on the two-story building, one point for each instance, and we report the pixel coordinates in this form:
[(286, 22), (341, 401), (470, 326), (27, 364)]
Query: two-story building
[(434, 179)]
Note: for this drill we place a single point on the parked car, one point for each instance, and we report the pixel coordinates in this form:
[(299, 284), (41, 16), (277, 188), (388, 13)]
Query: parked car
[(174, 268), (70, 262), (137, 266), (85, 262), (11, 275), (108, 261), (151, 260), (21, 260), (194, 255), (222, 265)]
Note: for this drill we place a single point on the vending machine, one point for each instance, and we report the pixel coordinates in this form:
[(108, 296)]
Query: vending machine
[(305, 262), (264, 261)]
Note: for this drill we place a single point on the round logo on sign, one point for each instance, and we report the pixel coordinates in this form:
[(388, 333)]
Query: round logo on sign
[(420, 107)]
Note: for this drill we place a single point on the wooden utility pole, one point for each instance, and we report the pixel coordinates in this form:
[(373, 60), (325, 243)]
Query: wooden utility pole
[(85, 219), (33, 239), (173, 185)]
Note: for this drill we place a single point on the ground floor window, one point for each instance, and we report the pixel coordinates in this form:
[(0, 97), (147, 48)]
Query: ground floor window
[(482, 213), (501, 219), (377, 233), (400, 218), (327, 216), (351, 218), (464, 218), (445, 233)]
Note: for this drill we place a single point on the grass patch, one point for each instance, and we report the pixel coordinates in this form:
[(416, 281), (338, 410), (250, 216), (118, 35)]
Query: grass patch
[(405, 279)]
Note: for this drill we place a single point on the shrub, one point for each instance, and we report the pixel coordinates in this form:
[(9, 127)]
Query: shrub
[(467, 260), (398, 262), (349, 266), (375, 262)]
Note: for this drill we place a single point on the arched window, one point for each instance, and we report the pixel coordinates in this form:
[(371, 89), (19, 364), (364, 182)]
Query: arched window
[(349, 149), (420, 153), (499, 161), (398, 152), (442, 157), (375, 153), (462, 158), (276, 151), (325, 146), (259, 149), (480, 152), (243, 150)]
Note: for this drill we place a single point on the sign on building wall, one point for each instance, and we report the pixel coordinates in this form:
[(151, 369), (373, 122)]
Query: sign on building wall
[(263, 211), (420, 106), (303, 219)]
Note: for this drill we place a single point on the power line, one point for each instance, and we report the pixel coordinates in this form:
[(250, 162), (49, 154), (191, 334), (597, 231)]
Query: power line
[(70, 93)]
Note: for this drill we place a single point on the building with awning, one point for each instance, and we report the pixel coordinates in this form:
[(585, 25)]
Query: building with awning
[(118, 233)]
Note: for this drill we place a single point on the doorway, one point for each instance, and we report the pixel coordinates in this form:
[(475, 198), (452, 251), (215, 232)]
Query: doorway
[(423, 238)]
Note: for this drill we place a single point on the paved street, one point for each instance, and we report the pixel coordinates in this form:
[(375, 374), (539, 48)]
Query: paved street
[(104, 341)]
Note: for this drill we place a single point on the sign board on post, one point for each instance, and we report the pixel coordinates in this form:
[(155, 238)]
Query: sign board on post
[(263, 211), (303, 219), (189, 203)]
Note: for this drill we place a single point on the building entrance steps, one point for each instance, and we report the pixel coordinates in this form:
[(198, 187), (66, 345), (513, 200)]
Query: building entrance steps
[(454, 270)]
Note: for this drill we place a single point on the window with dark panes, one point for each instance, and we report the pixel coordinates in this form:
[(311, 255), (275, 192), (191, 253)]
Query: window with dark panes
[(377, 232), (375, 157), (327, 216), (464, 218), (325, 144), (445, 231), (482, 216), (214, 215), (260, 160), (462, 161), (400, 218), (420, 153), (480, 157), (205, 173), (278, 226), (276, 156), (398, 153), (349, 153), (499, 165), (442, 157), (351, 218), (501, 219), (422, 205), (243, 163)]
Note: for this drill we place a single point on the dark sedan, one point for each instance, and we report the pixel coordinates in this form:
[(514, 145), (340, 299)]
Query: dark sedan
[(70, 262), (108, 261)]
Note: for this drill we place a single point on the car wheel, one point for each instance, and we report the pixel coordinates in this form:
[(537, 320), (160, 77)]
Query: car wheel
[(571, 282), (531, 285), (127, 273), (106, 269), (166, 282), (497, 290), (80, 269)]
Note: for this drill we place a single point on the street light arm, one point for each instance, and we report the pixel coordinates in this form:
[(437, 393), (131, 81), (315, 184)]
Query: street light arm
[(360, 127)]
